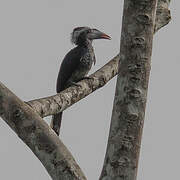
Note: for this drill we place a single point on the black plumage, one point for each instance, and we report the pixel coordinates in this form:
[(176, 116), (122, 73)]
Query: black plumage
[(76, 64)]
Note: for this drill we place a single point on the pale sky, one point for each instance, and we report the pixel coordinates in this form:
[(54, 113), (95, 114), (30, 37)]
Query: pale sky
[(34, 38)]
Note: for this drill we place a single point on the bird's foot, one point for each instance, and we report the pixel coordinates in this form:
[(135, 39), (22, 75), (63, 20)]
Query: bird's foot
[(75, 84)]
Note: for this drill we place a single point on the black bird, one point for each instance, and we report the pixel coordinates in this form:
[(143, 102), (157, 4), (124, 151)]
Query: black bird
[(77, 63)]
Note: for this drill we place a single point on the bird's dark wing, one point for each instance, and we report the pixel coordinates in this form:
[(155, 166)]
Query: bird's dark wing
[(68, 66)]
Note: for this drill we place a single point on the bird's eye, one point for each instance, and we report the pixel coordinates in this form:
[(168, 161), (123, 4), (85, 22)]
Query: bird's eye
[(94, 30)]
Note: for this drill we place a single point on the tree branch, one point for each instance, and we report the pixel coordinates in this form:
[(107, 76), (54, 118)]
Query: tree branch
[(59, 102), (40, 138), (163, 15)]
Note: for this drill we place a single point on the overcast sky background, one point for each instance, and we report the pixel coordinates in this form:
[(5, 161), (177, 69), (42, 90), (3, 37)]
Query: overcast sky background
[(34, 38)]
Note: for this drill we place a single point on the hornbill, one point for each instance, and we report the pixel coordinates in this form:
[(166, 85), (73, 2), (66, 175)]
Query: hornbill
[(77, 63)]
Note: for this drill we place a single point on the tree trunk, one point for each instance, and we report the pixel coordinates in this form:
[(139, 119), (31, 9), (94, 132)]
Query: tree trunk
[(122, 154)]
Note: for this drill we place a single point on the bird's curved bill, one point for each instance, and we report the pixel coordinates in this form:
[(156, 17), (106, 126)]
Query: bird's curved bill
[(105, 36), (96, 34)]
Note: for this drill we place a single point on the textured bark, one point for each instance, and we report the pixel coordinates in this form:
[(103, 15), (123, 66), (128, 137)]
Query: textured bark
[(121, 160), (36, 134), (162, 14)]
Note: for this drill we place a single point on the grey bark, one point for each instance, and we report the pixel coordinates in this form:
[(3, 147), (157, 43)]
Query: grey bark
[(162, 14), (40, 138), (121, 160)]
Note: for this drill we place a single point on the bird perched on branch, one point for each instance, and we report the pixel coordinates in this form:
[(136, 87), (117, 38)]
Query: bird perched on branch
[(77, 63)]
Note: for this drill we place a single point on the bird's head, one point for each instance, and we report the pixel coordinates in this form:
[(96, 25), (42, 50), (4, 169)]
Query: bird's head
[(83, 34)]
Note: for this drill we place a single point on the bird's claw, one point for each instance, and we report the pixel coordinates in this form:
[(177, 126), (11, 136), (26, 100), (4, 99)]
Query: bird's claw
[(75, 84)]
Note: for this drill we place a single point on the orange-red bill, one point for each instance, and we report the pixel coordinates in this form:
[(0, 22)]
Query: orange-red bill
[(105, 36)]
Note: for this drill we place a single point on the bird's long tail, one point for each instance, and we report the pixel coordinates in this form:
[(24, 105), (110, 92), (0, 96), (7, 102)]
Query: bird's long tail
[(56, 122)]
